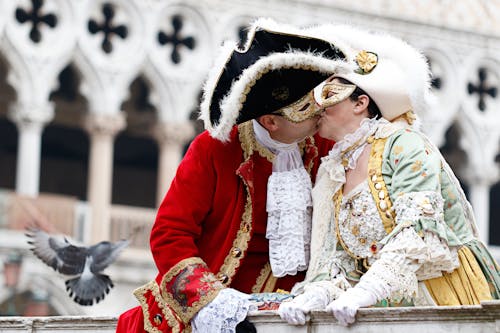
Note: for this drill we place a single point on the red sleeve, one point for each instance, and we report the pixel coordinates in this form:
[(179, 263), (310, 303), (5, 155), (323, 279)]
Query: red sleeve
[(323, 146), (186, 284), (178, 222)]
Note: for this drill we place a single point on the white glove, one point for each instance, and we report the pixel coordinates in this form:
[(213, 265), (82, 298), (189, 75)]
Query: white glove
[(345, 307), (227, 310), (314, 297)]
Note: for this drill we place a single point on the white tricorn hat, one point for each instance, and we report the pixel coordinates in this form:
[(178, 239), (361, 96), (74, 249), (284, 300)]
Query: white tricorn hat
[(393, 73), (385, 84)]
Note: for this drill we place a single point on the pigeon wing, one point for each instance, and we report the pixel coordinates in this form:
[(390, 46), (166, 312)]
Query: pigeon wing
[(104, 253), (42, 247), (70, 258)]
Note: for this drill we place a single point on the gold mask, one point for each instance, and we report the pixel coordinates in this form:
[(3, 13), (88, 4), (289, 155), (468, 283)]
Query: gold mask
[(330, 93), (303, 109)]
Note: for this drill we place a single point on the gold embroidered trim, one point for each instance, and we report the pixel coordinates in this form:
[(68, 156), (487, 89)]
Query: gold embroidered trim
[(302, 146), (174, 304), (264, 273), (378, 187), (231, 263), (270, 284), (249, 144), (140, 292), (360, 264), (337, 200)]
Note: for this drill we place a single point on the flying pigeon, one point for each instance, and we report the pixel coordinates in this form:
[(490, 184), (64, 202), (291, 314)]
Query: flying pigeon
[(85, 263)]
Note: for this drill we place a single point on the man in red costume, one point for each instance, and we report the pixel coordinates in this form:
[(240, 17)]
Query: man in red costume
[(236, 219)]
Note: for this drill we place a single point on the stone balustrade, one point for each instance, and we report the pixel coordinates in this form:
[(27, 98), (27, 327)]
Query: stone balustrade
[(480, 318)]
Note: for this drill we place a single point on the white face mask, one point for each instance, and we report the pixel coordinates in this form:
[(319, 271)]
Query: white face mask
[(328, 93)]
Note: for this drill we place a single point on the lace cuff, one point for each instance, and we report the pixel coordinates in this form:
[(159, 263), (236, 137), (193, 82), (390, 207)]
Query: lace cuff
[(427, 252), (393, 276), (441, 258), (289, 221), (227, 310), (394, 281)]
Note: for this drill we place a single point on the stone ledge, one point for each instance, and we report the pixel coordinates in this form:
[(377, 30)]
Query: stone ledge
[(478, 318)]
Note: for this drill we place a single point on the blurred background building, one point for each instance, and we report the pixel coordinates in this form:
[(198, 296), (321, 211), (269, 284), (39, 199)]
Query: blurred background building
[(99, 100)]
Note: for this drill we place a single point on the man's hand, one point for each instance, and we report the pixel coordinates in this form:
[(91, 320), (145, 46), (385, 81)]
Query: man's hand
[(223, 314)]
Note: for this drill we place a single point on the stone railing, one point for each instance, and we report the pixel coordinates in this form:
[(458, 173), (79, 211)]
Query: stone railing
[(480, 318), (128, 220)]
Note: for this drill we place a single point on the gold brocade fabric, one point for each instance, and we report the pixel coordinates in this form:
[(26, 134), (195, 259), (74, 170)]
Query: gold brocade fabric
[(466, 285)]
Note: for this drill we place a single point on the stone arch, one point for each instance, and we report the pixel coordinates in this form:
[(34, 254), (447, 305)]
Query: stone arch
[(136, 153), (64, 163), (108, 71), (179, 57), (8, 144), (444, 86)]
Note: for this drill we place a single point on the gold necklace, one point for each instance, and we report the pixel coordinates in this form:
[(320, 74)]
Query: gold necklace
[(343, 154)]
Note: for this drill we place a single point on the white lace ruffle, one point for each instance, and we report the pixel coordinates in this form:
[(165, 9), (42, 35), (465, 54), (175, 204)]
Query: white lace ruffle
[(223, 314), (289, 206), (408, 258), (399, 259), (355, 141), (442, 258)]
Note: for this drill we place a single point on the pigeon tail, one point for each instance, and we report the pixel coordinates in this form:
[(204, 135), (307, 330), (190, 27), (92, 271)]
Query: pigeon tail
[(90, 290)]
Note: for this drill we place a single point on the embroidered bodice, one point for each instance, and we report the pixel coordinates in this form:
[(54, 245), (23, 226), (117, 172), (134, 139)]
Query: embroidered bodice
[(360, 228)]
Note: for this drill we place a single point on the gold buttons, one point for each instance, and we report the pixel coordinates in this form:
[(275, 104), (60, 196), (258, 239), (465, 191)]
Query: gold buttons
[(158, 319), (222, 277), (236, 252)]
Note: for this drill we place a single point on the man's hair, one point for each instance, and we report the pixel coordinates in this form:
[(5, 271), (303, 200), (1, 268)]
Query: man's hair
[(373, 110)]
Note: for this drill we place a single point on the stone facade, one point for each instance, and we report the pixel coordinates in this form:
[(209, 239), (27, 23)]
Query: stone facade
[(105, 52)]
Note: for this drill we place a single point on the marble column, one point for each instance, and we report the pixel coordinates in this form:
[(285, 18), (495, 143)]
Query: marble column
[(102, 130), (480, 178), (171, 138), (30, 121), (480, 201)]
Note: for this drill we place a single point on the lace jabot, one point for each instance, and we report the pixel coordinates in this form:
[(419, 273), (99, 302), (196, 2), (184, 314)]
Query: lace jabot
[(289, 206), (350, 148)]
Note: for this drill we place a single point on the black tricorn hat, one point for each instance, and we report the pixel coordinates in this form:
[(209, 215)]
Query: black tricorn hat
[(278, 66)]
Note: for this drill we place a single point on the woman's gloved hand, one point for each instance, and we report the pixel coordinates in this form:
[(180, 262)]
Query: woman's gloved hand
[(345, 307), (314, 297)]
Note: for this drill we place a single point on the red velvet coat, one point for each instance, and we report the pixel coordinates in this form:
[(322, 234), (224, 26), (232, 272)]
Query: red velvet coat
[(210, 230)]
